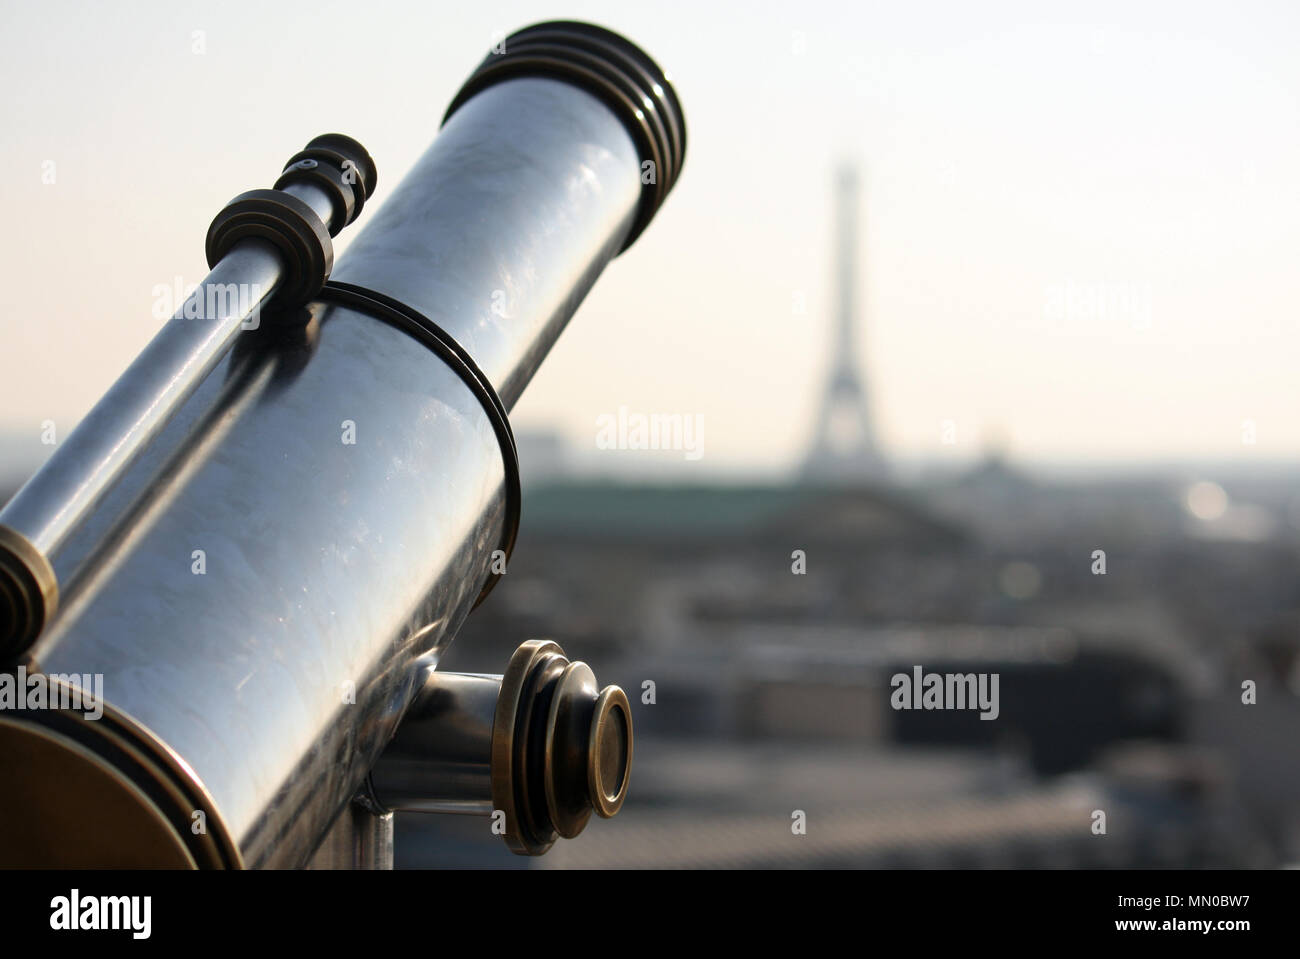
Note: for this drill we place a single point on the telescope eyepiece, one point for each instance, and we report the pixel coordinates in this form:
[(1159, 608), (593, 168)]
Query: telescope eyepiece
[(561, 748)]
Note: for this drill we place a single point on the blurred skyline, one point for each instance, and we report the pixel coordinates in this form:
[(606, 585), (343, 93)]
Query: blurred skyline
[(1079, 232)]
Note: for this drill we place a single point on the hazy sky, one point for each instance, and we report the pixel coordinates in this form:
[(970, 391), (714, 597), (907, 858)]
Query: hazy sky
[(1082, 222)]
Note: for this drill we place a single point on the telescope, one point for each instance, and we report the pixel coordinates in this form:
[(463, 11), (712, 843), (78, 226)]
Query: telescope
[(225, 597)]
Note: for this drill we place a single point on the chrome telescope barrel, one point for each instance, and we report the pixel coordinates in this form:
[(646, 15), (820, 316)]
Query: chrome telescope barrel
[(264, 589)]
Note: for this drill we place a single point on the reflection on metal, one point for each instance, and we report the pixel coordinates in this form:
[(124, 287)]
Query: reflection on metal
[(360, 838), (441, 758), (271, 553), (542, 745)]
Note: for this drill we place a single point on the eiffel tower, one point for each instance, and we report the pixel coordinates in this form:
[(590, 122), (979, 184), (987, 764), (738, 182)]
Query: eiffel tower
[(844, 450)]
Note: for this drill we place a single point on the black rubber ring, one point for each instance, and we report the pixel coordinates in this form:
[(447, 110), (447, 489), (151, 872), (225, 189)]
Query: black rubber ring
[(289, 223), (383, 307)]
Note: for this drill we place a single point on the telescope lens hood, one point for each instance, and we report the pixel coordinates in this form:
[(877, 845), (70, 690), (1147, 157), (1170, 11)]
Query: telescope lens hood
[(611, 68)]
